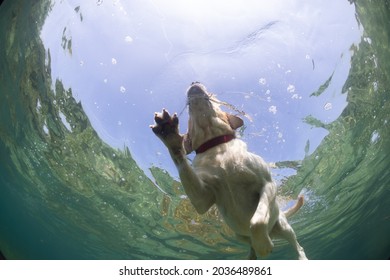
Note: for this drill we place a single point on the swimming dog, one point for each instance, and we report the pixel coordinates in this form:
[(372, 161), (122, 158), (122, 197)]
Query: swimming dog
[(224, 173)]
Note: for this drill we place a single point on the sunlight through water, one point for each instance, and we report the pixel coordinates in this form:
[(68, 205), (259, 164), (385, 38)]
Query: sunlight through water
[(82, 173)]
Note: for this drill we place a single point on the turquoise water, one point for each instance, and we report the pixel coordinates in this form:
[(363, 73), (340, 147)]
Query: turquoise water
[(82, 176)]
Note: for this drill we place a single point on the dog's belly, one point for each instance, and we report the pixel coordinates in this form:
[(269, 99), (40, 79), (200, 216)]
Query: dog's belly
[(240, 225), (237, 208), (237, 178)]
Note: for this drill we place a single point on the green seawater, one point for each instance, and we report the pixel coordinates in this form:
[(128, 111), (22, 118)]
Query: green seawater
[(67, 194)]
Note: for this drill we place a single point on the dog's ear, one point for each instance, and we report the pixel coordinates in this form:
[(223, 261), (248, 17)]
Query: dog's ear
[(234, 121), (187, 143)]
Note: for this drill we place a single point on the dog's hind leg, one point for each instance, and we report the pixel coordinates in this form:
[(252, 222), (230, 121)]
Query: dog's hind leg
[(263, 220), (252, 254), (247, 239), (282, 229)]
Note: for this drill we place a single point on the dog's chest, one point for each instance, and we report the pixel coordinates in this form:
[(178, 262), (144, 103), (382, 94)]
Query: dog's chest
[(236, 180)]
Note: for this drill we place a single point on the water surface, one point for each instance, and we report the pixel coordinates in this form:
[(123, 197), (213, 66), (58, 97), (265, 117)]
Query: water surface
[(83, 177)]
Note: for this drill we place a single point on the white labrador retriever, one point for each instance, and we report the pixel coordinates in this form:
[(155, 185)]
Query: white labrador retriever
[(224, 173)]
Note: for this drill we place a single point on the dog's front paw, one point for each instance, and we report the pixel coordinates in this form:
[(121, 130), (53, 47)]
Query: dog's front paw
[(167, 129)]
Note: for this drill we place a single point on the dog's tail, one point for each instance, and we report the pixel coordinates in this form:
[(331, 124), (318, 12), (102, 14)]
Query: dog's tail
[(294, 209)]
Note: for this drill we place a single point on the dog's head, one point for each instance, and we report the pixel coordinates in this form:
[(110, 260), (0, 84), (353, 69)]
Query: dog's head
[(206, 119)]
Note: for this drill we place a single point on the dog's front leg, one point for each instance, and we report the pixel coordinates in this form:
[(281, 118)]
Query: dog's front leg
[(167, 129)]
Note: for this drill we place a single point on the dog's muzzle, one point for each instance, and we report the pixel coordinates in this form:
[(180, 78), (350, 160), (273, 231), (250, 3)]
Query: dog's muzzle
[(197, 89)]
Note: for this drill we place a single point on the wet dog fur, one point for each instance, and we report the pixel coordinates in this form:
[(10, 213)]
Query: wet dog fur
[(226, 174)]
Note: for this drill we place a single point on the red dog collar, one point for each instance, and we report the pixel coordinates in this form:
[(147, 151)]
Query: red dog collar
[(214, 142)]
